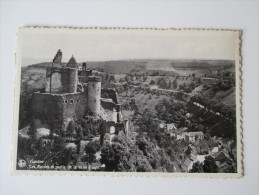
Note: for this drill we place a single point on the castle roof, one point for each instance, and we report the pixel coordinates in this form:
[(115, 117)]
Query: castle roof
[(72, 63), (198, 133)]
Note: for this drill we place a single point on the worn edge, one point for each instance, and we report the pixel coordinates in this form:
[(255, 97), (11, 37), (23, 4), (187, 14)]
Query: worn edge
[(239, 118)]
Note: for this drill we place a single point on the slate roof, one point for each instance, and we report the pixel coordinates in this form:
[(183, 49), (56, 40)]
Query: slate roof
[(72, 63), (206, 144), (186, 164), (198, 133), (221, 157)]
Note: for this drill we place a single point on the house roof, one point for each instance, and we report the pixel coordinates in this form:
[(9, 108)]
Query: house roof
[(211, 144), (202, 144), (221, 157), (183, 129), (186, 164), (170, 126), (198, 133), (206, 144)]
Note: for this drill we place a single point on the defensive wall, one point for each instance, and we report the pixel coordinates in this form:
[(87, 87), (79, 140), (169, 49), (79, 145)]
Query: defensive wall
[(55, 111), (63, 80)]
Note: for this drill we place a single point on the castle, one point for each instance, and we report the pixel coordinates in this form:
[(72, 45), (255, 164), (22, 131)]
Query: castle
[(73, 93)]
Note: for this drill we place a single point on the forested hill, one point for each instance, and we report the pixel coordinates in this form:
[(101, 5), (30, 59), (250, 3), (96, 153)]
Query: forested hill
[(126, 66)]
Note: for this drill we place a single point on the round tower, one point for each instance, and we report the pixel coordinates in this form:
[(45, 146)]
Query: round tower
[(73, 76), (94, 95)]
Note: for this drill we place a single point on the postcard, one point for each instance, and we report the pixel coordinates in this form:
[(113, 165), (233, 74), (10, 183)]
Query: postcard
[(128, 102)]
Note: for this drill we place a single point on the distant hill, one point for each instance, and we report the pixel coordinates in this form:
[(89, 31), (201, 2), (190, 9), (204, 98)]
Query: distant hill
[(126, 66), (203, 64)]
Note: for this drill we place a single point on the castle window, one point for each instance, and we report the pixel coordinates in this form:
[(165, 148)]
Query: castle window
[(71, 101), (78, 100), (83, 100), (93, 84), (66, 101)]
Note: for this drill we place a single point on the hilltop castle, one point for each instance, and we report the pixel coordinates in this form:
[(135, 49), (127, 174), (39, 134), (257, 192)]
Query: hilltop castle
[(73, 93)]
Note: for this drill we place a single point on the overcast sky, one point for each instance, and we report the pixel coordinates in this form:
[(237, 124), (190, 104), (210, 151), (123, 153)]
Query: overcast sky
[(41, 45)]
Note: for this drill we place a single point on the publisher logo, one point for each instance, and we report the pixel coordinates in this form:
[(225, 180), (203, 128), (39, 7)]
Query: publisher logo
[(21, 163)]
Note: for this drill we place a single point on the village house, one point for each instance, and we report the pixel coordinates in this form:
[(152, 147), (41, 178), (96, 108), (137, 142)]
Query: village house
[(171, 129), (194, 136), (187, 165), (221, 158), (180, 133)]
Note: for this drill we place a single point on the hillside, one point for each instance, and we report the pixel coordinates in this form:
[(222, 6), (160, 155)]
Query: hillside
[(178, 66)]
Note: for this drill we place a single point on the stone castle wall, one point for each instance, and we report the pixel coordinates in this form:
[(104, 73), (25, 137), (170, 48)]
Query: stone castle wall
[(110, 93), (55, 111), (63, 80)]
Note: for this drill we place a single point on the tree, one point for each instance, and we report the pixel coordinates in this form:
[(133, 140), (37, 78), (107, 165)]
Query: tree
[(126, 88), (112, 78), (197, 168), (175, 84), (123, 155), (209, 165), (107, 157), (127, 78), (79, 132), (121, 80), (71, 129), (192, 86), (152, 82), (79, 137), (90, 151), (102, 131), (107, 76)]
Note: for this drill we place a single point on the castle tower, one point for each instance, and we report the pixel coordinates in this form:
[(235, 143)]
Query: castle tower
[(58, 57), (94, 95), (72, 63), (72, 75), (84, 66)]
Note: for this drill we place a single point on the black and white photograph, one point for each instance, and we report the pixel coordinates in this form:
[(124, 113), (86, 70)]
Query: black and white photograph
[(117, 100)]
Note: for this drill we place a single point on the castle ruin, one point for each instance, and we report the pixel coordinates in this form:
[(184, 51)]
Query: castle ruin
[(72, 94)]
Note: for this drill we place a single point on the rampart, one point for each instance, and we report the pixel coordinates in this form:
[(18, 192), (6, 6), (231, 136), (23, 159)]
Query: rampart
[(110, 105), (55, 111), (110, 93)]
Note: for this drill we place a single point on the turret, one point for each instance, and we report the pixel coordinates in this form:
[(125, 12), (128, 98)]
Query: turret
[(72, 74), (94, 95), (58, 57), (72, 63), (84, 66)]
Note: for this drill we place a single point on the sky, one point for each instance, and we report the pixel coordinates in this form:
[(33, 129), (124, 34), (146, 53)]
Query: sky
[(37, 45)]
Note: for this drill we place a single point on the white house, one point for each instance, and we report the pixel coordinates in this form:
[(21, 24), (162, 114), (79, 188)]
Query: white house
[(194, 136)]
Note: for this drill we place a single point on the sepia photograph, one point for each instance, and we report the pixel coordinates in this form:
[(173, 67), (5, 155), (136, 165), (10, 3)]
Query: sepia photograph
[(142, 101)]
